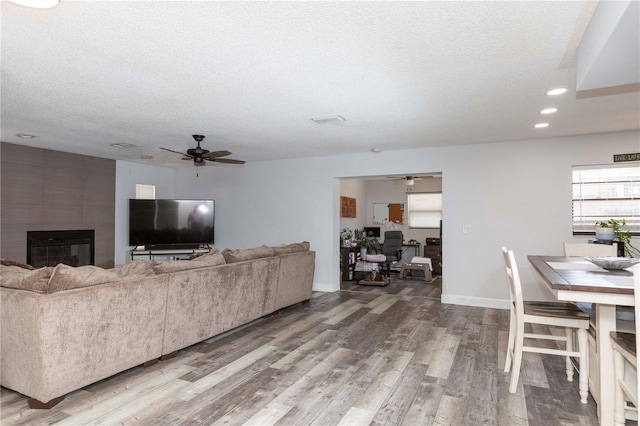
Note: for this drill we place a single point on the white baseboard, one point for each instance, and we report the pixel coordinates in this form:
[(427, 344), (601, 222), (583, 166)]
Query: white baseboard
[(445, 298), (326, 287), (474, 301)]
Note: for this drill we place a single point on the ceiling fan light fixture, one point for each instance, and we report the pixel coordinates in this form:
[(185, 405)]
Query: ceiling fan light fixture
[(199, 154)]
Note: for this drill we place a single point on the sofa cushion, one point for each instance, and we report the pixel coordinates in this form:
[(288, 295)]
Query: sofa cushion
[(7, 262), (137, 268), (213, 258), (195, 255), (16, 277), (65, 277), (291, 248), (241, 255)]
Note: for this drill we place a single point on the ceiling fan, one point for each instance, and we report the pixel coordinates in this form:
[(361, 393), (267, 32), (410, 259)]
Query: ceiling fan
[(199, 155), (410, 180)]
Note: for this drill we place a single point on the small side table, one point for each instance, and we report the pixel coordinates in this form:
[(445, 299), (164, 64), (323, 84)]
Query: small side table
[(415, 266)]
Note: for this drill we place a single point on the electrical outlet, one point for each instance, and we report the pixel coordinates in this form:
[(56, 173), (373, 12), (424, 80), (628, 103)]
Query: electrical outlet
[(466, 229)]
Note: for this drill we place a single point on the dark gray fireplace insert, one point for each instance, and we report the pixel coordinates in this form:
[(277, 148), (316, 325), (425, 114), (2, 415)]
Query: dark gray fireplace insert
[(73, 248)]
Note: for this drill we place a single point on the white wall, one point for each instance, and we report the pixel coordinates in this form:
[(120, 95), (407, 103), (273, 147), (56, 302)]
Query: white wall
[(512, 193), (355, 188), (127, 176)]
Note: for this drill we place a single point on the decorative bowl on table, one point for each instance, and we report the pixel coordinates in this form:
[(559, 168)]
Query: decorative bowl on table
[(613, 262)]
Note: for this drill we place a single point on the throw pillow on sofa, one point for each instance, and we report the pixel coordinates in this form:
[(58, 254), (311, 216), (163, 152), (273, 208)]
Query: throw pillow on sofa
[(65, 277), (137, 268), (213, 258), (23, 279), (241, 255), (291, 248), (7, 262)]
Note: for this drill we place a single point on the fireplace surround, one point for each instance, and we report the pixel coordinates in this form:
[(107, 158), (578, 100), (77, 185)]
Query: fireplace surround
[(71, 247)]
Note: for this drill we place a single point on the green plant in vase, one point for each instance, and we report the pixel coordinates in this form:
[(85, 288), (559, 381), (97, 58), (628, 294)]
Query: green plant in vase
[(345, 237), (620, 235), (370, 243)]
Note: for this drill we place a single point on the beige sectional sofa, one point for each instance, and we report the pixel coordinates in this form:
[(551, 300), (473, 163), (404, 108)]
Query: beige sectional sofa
[(64, 328)]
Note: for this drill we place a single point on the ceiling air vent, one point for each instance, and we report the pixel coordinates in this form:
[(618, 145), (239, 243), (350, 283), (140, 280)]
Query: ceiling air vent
[(328, 119), (122, 145)]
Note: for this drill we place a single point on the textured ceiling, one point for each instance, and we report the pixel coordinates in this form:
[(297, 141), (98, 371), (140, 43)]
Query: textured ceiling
[(249, 76)]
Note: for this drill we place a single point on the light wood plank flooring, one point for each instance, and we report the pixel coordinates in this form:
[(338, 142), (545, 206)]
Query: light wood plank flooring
[(346, 358)]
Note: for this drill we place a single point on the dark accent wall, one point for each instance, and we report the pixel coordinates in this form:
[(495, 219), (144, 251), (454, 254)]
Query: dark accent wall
[(42, 190)]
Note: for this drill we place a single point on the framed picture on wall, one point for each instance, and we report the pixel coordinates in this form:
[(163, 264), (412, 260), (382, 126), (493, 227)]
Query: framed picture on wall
[(347, 207)]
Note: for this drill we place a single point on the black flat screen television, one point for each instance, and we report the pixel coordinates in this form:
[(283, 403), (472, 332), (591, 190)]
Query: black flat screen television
[(171, 223)]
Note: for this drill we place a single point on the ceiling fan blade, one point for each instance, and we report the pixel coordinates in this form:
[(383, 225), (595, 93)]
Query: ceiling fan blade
[(216, 154), (175, 152), (226, 160)]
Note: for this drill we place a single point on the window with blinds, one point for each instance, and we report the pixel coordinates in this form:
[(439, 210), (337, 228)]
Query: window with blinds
[(424, 210), (606, 192)]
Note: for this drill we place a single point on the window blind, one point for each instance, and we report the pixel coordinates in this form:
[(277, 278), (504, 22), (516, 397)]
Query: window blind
[(604, 192), (424, 210)]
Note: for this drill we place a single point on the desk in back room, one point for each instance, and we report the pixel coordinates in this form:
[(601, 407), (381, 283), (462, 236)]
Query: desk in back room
[(406, 248)]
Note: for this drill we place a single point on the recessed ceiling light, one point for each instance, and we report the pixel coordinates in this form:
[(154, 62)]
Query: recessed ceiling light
[(25, 136), (121, 145), (37, 4), (328, 119), (146, 157), (375, 150), (558, 91), (541, 125), (548, 110)]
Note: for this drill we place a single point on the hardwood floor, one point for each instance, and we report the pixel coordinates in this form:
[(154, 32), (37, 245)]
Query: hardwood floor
[(355, 357)]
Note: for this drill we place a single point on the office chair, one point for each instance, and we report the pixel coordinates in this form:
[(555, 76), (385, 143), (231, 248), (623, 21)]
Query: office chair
[(392, 248)]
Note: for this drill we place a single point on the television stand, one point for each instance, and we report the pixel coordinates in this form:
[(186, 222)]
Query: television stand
[(191, 246), (166, 253)]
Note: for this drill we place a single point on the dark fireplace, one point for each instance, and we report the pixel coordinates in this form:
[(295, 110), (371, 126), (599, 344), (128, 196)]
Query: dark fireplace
[(48, 248)]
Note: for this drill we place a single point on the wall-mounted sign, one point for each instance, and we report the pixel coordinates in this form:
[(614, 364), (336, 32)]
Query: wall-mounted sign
[(347, 207), (634, 156)]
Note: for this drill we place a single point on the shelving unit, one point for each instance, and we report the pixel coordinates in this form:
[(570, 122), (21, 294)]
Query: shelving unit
[(348, 258)]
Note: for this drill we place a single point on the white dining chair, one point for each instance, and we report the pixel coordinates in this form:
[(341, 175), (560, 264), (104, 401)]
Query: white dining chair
[(625, 360), (584, 249), (558, 314)]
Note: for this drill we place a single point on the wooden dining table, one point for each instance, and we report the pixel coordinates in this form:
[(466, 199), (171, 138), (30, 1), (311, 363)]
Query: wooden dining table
[(575, 279)]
